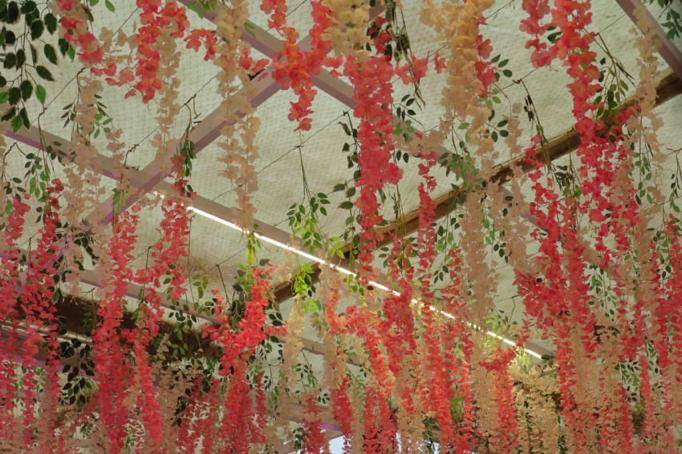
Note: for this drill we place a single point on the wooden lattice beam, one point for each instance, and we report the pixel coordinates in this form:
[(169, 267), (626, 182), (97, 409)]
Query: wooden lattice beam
[(642, 18), (209, 128), (668, 87), (111, 168), (202, 135), (269, 45)]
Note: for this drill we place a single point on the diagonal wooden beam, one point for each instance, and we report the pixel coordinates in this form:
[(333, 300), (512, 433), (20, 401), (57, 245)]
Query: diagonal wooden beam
[(643, 19), (269, 45), (113, 169), (104, 165), (668, 87), (201, 136), (208, 129)]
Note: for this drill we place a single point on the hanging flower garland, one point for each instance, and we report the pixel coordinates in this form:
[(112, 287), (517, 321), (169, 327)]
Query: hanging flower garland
[(10, 284), (109, 353), (39, 315), (371, 80), (399, 373)]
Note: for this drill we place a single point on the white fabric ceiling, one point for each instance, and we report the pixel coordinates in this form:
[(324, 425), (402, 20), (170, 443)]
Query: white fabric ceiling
[(278, 165)]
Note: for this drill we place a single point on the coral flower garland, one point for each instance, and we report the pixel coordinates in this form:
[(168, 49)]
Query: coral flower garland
[(421, 326), (74, 26), (373, 92), (294, 66), (109, 353), (39, 314)]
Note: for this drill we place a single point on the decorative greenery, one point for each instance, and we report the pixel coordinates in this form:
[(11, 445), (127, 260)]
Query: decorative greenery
[(27, 51)]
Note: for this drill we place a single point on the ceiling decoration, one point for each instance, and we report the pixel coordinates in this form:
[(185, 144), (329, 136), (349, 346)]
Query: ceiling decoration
[(400, 226)]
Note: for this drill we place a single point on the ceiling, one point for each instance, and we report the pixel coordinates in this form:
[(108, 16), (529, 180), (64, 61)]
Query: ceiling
[(281, 149)]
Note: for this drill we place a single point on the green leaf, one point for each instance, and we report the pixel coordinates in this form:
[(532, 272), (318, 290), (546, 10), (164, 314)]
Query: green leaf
[(50, 53), (44, 73), (10, 61), (9, 37), (26, 88), (50, 22), (37, 29), (28, 7), (14, 95), (312, 306), (34, 54), (12, 13), (119, 200), (16, 123), (3, 97), (41, 94), (109, 6), (24, 118), (21, 58), (64, 46), (9, 114)]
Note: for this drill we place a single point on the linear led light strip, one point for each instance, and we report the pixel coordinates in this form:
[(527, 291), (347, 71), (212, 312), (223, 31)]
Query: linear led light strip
[(346, 271)]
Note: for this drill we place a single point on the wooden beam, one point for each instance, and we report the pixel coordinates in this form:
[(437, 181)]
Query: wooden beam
[(104, 165), (668, 87), (269, 45), (135, 291), (111, 168), (209, 129), (201, 136), (643, 19)]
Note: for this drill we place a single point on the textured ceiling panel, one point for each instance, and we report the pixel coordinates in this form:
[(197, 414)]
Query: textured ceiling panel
[(281, 149)]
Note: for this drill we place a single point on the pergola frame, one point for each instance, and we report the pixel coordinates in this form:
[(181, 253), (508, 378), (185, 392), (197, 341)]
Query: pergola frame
[(151, 177)]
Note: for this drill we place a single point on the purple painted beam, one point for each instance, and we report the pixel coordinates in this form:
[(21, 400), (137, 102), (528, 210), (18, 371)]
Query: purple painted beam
[(202, 135), (670, 53)]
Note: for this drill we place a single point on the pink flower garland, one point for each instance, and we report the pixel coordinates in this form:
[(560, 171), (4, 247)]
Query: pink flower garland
[(40, 315), (372, 91), (9, 287), (111, 370)]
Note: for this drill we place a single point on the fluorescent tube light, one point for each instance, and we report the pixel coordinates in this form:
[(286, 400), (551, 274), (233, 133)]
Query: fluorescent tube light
[(346, 271)]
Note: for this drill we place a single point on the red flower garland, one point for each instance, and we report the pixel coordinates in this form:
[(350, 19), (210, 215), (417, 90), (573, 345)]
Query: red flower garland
[(372, 92), (195, 38), (39, 314), (76, 32), (156, 19), (151, 411), (9, 286), (537, 10), (277, 10), (295, 67), (108, 353), (314, 441)]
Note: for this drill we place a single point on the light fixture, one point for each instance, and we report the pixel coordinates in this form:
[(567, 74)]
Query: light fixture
[(347, 272)]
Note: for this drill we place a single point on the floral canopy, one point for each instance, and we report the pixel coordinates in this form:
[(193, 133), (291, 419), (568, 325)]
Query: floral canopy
[(409, 226)]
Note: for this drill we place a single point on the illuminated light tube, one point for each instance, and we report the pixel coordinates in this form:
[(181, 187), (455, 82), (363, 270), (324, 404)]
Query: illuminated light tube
[(346, 271)]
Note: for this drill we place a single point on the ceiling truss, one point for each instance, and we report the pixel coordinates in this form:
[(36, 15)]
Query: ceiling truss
[(152, 176)]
